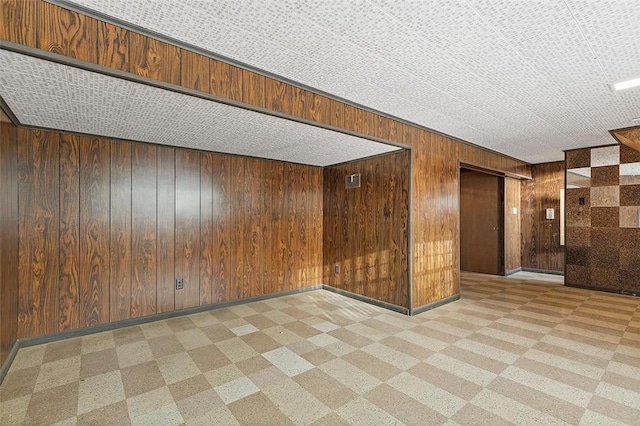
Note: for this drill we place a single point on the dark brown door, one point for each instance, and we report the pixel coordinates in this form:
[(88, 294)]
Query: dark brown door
[(481, 222)]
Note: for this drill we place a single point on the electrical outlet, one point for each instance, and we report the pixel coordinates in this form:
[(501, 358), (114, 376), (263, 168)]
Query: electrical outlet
[(336, 269), (179, 283)]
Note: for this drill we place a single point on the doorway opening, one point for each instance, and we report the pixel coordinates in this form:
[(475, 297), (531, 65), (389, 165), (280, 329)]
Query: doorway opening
[(482, 245)]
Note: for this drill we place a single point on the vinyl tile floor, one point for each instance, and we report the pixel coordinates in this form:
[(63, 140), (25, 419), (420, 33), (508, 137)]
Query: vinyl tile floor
[(517, 350)]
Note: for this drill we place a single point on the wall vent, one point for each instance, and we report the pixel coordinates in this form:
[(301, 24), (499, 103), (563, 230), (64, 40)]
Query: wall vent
[(352, 181)]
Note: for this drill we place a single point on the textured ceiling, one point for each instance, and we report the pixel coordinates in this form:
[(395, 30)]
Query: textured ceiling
[(46, 94), (527, 78)]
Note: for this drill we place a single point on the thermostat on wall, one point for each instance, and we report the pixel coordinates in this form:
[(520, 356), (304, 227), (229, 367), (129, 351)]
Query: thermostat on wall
[(551, 214)]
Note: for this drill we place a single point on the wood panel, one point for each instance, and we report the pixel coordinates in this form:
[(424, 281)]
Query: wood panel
[(277, 225), (166, 230), (265, 228), (238, 285), (221, 258), (39, 231), (69, 231), (512, 224), (144, 188), (252, 233), (154, 59), (187, 236), (120, 259), (94, 231), (291, 260), (113, 46), (206, 228), (541, 247), (67, 33), (9, 242), (480, 227), (19, 21), (225, 80), (276, 96), (195, 71), (253, 88), (364, 228)]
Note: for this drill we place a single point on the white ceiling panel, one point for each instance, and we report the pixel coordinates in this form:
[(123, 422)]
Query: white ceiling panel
[(526, 78), (45, 94)]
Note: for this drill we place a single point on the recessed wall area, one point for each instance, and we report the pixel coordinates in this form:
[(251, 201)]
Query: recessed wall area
[(603, 218), (106, 226)]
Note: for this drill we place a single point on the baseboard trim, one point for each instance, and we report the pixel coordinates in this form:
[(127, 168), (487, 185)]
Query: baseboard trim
[(433, 305), (542, 271), (604, 289), (366, 299), (79, 332), (7, 362), (513, 271)]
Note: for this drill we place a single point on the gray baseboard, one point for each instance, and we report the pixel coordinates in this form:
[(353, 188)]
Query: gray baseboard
[(4, 369), (54, 337), (433, 305), (543, 271), (513, 271), (604, 289), (371, 301)]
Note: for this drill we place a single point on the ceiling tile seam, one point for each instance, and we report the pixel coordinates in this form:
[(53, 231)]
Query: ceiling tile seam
[(584, 37), (315, 90), (518, 102), (529, 64)]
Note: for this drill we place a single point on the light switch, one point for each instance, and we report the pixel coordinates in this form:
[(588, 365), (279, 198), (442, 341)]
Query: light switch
[(514, 210), (551, 214)]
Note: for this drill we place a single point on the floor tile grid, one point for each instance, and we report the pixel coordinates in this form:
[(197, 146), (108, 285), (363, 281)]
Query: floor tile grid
[(494, 355)]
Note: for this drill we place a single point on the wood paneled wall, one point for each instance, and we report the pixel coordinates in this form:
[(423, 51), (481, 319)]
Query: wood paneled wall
[(8, 237), (512, 225), (435, 158), (106, 226), (541, 247), (365, 229)]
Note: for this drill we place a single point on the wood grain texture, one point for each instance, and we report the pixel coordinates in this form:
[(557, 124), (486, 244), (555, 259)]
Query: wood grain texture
[(194, 71), (120, 259), (253, 88), (39, 232), (541, 247), (165, 257), (225, 80), (94, 231), (222, 221), (238, 285), (513, 225), (67, 33), (206, 228), (277, 225), (69, 231), (144, 188), (276, 95), (266, 268), (187, 237), (18, 19), (154, 59), (9, 239), (113, 46), (252, 233), (364, 228)]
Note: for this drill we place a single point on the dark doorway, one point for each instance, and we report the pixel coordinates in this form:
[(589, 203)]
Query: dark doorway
[(481, 222)]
